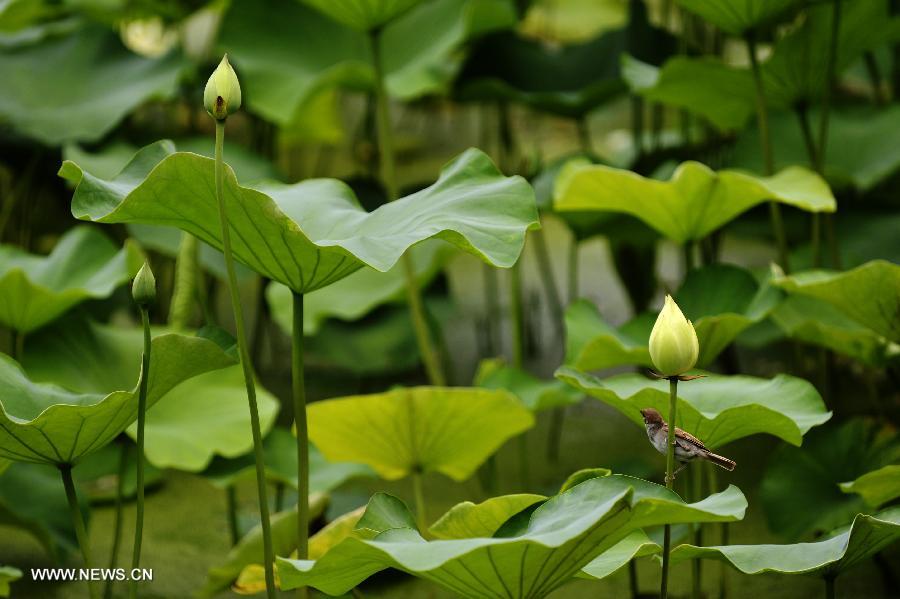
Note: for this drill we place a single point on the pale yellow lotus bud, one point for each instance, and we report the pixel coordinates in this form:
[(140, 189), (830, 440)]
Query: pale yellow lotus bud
[(673, 342), (222, 95)]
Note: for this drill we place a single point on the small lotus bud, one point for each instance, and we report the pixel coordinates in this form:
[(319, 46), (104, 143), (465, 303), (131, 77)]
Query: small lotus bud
[(673, 342), (143, 290), (222, 95)]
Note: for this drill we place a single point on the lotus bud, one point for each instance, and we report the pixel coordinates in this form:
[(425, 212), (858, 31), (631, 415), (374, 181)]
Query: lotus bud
[(143, 290), (222, 95), (673, 342)]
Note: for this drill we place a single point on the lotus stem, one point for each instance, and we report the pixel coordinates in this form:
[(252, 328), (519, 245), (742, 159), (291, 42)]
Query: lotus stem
[(713, 484), (516, 316), (184, 294), (826, 110), (298, 394), (117, 527), (762, 116), (18, 346), (633, 579), (142, 415), (637, 125), (419, 499), (584, 135), (231, 508), (491, 307), (247, 367), (65, 471), (573, 269), (279, 496), (697, 564), (424, 338), (670, 467), (829, 586), (551, 291)]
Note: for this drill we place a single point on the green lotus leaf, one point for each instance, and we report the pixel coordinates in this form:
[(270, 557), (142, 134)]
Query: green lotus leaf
[(32, 497), (200, 417), (695, 201), (472, 205), (868, 294), (876, 487), (863, 145), (286, 64), (280, 452), (535, 394), (739, 16), (815, 321), (722, 94), (466, 520), (795, 479), (8, 574), (567, 531), (78, 84), (846, 548), (364, 15), (44, 423), (421, 429), (353, 297), (249, 549), (721, 300), (717, 409), (83, 265), (636, 544), (98, 473)]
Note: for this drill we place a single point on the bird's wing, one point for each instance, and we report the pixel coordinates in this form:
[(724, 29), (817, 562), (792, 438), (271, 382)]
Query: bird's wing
[(689, 438)]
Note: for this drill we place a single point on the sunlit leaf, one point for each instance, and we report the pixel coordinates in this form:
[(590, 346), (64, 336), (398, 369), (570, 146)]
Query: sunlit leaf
[(876, 487), (868, 294), (83, 265), (534, 393), (568, 530), (593, 344), (472, 205), (795, 479), (44, 423), (466, 520), (716, 409), (838, 553), (739, 16), (78, 85), (637, 544), (695, 201), (421, 429), (8, 574)]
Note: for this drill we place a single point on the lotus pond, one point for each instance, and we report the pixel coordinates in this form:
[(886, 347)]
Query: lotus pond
[(398, 298)]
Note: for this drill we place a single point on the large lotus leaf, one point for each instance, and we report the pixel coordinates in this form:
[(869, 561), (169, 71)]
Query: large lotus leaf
[(739, 16), (203, 416), (863, 145), (535, 394), (695, 201), (561, 536), (8, 574), (44, 423), (32, 497), (421, 429), (83, 265), (848, 547), (354, 296), (815, 321), (79, 85), (637, 544), (706, 87), (466, 520), (571, 20), (364, 15), (280, 454), (286, 63), (249, 549), (721, 300), (795, 479), (717, 409), (876, 487), (869, 294), (314, 233)]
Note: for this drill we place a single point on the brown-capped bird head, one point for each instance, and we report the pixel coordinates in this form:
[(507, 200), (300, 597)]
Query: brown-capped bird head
[(651, 416)]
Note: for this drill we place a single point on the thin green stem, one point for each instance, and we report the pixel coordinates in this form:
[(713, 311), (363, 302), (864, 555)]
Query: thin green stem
[(279, 496), (633, 579), (713, 484), (551, 291), (697, 564), (584, 136), (637, 125), (826, 113), (18, 345), (142, 416), (829, 587), (762, 115), (424, 339), (65, 471), (573, 269), (517, 324), (117, 526), (187, 270), (231, 508), (875, 77), (419, 499), (491, 307), (268, 552), (813, 154), (298, 393), (670, 480)]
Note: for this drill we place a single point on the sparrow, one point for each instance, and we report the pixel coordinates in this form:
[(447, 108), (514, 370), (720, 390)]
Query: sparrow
[(687, 446)]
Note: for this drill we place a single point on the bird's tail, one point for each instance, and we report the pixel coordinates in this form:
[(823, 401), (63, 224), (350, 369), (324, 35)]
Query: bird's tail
[(721, 461)]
